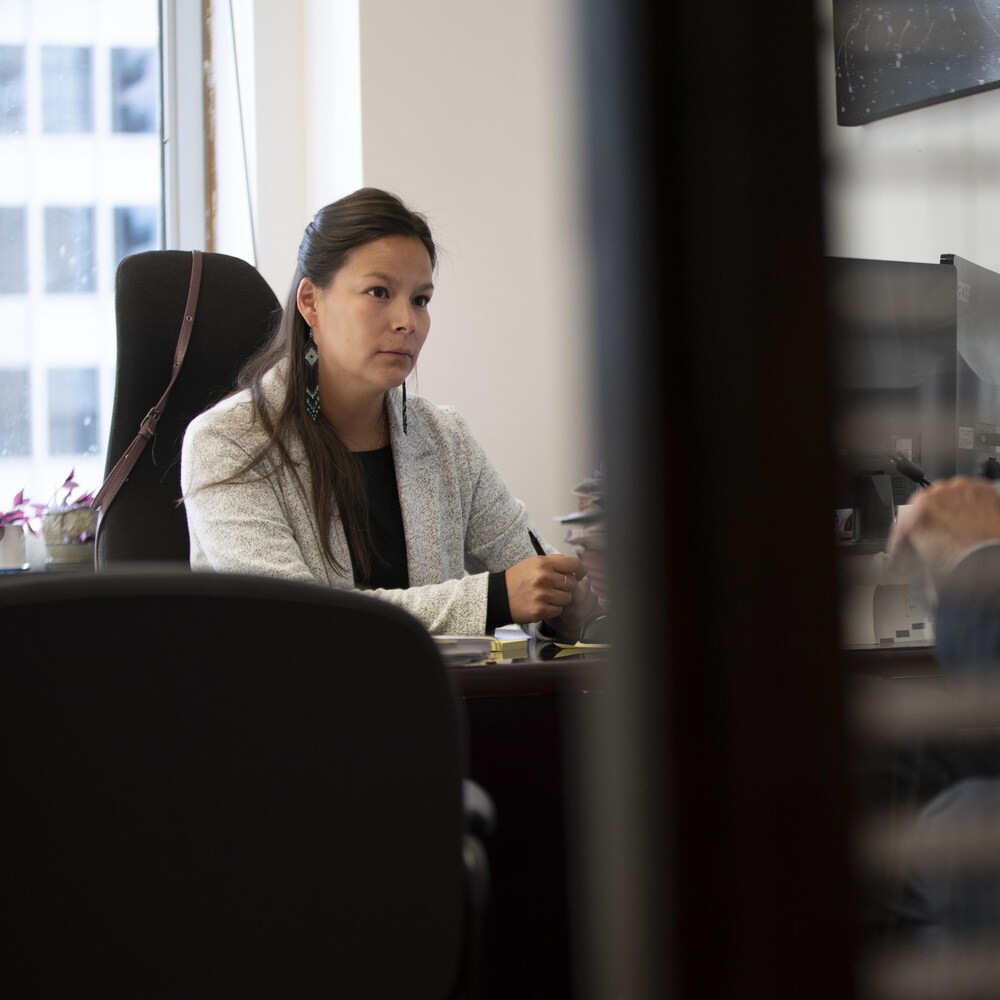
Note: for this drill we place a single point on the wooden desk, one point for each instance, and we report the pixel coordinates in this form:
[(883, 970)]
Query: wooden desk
[(519, 718), (895, 662)]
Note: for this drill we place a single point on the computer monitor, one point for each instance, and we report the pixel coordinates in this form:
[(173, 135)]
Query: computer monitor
[(894, 352), (978, 369), (916, 359)]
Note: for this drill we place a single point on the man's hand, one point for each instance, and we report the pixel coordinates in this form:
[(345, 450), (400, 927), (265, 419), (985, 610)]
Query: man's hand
[(576, 614), (943, 522)]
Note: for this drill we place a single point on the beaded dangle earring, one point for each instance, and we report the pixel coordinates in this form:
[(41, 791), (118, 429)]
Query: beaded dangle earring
[(404, 407), (312, 378)]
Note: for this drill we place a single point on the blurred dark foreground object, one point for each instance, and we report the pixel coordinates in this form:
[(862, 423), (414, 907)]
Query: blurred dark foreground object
[(207, 795)]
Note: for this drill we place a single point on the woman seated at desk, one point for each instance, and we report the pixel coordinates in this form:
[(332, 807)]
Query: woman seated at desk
[(319, 468)]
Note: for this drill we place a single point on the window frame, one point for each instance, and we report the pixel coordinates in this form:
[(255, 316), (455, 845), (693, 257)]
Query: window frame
[(182, 101)]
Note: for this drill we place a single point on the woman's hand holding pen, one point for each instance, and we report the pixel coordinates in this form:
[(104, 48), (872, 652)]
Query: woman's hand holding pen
[(543, 587), (553, 589)]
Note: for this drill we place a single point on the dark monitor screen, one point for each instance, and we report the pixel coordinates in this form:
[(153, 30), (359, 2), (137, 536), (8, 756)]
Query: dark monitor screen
[(916, 369), (894, 335), (898, 55), (978, 367)]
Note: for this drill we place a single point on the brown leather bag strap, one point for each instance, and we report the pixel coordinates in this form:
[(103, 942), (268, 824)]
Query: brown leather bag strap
[(118, 475)]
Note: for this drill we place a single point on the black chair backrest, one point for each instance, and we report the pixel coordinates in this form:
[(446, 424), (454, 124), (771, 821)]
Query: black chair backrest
[(224, 786), (236, 312)]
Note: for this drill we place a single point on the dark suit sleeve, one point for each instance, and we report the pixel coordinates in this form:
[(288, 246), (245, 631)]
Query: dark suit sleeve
[(967, 623)]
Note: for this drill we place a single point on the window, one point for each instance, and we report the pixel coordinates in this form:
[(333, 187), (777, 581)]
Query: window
[(69, 249), (67, 86), (134, 85), (15, 413), (89, 131), (73, 411), (13, 250), (11, 88), (136, 229)]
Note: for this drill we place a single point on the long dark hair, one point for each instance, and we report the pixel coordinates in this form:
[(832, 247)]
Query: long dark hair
[(337, 488)]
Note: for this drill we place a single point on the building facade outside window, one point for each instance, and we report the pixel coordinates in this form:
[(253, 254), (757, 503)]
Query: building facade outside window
[(81, 186), (67, 89), (73, 411), (134, 90), (137, 229), (15, 417), (69, 249), (13, 250), (11, 88)]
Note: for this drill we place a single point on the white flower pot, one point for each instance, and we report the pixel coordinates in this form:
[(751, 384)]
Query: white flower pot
[(12, 549)]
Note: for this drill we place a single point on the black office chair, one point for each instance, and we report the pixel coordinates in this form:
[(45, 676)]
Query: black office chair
[(236, 312), (220, 785)]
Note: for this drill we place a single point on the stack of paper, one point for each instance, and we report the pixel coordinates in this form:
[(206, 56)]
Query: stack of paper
[(586, 532), (481, 648)]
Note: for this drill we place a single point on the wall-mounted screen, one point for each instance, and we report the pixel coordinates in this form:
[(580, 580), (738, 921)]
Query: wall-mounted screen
[(904, 54)]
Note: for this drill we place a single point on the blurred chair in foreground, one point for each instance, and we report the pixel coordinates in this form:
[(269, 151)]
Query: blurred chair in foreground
[(231, 786)]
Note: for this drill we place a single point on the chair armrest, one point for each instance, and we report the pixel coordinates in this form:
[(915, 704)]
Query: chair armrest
[(479, 811)]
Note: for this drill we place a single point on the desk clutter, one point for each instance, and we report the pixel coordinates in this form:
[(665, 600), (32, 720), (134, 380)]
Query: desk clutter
[(586, 532), (508, 644)]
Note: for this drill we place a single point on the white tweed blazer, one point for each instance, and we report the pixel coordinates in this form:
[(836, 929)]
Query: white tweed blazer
[(459, 518)]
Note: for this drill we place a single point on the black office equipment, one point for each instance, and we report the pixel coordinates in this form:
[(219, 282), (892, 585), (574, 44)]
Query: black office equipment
[(218, 785), (916, 367), (236, 311), (910, 469)]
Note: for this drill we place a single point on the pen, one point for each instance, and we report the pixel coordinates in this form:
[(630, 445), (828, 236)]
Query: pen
[(535, 543)]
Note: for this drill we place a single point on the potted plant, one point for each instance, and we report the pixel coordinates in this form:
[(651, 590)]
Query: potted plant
[(69, 524), (13, 524)]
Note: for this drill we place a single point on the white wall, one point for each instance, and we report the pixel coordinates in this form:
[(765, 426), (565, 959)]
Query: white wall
[(469, 114), (914, 185)]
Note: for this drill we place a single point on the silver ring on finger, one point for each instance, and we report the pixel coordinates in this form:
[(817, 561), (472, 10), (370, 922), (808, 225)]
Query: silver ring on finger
[(565, 578)]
